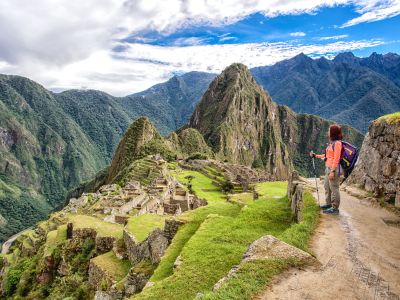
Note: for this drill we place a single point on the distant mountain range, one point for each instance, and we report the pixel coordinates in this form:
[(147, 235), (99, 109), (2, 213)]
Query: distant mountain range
[(347, 89)]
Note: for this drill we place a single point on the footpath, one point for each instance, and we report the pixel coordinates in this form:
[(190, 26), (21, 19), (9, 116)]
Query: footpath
[(359, 250)]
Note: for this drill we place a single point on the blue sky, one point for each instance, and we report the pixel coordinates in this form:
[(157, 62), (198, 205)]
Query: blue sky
[(125, 46), (321, 27)]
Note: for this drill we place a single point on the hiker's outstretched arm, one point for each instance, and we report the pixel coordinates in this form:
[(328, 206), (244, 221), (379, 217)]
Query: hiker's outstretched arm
[(320, 155)]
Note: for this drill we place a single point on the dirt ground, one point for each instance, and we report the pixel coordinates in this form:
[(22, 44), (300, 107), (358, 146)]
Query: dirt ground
[(359, 253)]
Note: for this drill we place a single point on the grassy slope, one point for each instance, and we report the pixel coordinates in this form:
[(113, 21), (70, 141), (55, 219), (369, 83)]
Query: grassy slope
[(215, 238)]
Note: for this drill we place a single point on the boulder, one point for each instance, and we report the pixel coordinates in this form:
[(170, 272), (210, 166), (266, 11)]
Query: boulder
[(266, 248), (269, 247)]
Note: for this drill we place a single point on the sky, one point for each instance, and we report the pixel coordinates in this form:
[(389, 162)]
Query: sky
[(126, 46)]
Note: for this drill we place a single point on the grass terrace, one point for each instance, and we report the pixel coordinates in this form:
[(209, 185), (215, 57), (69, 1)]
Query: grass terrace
[(102, 228), (115, 267), (141, 226)]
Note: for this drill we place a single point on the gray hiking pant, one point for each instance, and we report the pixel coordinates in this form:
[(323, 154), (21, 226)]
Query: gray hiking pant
[(332, 194)]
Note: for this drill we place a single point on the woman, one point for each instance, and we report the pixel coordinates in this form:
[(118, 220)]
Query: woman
[(332, 158)]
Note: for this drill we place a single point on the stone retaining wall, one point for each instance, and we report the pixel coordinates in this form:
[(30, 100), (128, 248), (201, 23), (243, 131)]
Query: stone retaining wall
[(378, 168)]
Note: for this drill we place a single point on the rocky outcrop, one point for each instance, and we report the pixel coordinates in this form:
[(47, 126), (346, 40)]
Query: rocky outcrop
[(378, 168)]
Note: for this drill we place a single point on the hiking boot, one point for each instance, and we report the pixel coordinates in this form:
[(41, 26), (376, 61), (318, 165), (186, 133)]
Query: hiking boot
[(325, 206), (331, 210)]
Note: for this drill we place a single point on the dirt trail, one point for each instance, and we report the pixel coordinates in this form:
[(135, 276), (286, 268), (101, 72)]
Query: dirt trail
[(360, 256)]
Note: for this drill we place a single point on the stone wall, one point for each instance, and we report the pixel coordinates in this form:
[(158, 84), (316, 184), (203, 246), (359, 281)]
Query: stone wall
[(154, 246), (378, 168), (295, 195)]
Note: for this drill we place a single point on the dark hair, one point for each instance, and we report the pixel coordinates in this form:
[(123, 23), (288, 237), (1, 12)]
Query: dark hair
[(335, 132)]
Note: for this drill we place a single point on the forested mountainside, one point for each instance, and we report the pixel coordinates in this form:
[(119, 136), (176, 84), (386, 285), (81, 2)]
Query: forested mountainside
[(347, 89), (51, 142), (44, 152)]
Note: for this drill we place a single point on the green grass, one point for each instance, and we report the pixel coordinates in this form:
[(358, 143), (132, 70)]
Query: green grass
[(216, 236), (140, 226), (299, 234), (115, 267), (201, 185), (242, 198), (274, 189), (252, 277), (102, 228), (390, 118)]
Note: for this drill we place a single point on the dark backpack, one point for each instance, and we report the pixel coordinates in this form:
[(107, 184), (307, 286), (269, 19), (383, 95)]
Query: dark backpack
[(348, 158)]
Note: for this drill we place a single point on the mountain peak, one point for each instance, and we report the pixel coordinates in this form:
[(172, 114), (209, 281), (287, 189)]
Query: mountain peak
[(238, 120), (345, 57)]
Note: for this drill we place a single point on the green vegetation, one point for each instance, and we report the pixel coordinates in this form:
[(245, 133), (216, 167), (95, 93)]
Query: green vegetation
[(53, 142), (242, 198), (216, 236), (269, 190), (55, 238), (102, 228), (140, 226), (143, 170), (390, 118)]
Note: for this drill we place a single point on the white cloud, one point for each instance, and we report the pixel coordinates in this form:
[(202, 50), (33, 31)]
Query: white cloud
[(334, 37), (190, 41), (372, 11), (141, 66), (297, 34), (68, 43), (59, 32)]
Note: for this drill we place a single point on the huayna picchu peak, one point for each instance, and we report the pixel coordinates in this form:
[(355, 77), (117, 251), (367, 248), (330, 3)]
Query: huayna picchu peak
[(242, 124), (239, 121)]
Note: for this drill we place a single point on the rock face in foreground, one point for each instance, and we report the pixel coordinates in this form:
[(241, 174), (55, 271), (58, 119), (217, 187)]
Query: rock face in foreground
[(378, 168)]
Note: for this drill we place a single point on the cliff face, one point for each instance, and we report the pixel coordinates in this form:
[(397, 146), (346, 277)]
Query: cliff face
[(378, 168), (240, 122)]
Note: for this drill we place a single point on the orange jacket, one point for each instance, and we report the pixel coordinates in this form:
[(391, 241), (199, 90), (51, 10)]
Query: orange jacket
[(332, 155)]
